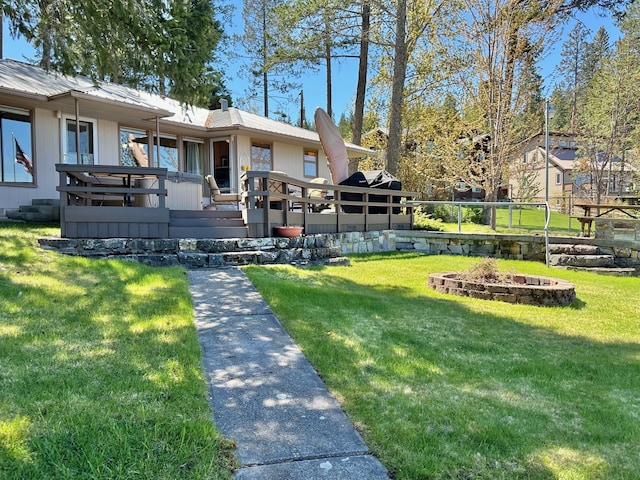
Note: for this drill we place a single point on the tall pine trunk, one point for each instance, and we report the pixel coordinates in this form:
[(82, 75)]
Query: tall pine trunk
[(397, 89)]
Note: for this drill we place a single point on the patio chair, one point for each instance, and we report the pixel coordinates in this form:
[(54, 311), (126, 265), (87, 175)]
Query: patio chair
[(319, 193), (218, 198)]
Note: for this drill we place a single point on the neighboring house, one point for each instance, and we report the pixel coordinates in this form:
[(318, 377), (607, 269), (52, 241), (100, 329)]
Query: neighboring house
[(528, 173), (54, 119)]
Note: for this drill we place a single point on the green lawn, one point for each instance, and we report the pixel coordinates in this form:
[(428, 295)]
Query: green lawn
[(101, 375), (457, 388), (523, 220)]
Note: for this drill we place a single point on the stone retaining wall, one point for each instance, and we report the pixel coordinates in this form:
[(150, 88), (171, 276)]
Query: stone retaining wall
[(618, 229), (194, 253)]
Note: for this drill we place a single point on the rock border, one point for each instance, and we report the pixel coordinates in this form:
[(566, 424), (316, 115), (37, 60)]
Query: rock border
[(526, 289)]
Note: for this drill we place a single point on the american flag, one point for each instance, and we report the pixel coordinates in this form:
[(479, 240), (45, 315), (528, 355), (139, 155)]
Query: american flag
[(22, 158)]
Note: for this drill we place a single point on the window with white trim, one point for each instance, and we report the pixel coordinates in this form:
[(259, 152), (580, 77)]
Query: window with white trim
[(86, 141), (169, 152), (310, 159), (193, 152), (261, 157)]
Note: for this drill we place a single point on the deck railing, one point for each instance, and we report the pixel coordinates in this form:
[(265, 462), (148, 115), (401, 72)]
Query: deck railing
[(274, 199), (92, 198)]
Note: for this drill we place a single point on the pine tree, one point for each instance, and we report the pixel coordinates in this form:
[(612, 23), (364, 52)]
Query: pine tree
[(161, 46)]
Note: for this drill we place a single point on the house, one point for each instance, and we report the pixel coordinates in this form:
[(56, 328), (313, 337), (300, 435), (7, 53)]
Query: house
[(56, 119), (528, 173)]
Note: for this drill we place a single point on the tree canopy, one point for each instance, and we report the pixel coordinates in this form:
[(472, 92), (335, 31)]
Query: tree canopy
[(161, 46)]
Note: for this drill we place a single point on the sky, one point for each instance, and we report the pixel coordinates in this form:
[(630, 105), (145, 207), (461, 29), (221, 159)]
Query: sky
[(345, 71)]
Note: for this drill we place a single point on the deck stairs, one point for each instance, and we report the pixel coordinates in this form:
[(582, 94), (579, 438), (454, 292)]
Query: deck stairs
[(207, 224), (592, 258), (40, 210)]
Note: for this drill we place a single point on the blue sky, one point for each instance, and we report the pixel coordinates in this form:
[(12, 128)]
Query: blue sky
[(345, 71)]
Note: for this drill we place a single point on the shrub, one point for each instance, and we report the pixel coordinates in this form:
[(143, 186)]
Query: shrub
[(472, 215), (425, 221)]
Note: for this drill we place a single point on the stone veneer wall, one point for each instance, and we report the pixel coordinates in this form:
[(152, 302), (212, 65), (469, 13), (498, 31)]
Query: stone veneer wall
[(213, 253)]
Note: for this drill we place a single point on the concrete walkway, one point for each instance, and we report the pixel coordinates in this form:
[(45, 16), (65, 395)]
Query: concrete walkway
[(264, 393)]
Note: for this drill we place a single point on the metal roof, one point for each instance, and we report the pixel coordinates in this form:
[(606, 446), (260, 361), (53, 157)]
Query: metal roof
[(31, 81)]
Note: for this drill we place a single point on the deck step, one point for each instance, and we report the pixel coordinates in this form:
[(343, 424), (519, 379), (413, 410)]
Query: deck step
[(205, 222), (196, 231), (205, 214), (41, 210)]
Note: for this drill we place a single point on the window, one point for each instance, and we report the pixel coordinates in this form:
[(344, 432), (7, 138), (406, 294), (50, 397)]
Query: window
[(558, 179), (168, 153), (310, 164), (260, 157), (15, 136), (133, 148), (87, 152), (194, 156)]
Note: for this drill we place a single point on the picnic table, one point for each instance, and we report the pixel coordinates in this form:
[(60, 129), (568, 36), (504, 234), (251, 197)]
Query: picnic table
[(601, 210)]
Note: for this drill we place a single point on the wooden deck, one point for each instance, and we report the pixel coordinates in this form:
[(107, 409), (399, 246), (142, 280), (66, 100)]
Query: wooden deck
[(110, 202)]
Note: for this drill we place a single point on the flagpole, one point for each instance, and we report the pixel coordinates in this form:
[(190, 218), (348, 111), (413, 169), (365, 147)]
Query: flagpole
[(13, 145)]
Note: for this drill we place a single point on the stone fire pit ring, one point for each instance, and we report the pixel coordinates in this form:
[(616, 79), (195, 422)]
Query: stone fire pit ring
[(524, 289)]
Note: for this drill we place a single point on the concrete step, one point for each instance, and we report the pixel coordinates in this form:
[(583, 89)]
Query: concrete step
[(589, 261)]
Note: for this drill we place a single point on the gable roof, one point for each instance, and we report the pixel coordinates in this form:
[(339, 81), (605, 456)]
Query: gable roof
[(36, 85)]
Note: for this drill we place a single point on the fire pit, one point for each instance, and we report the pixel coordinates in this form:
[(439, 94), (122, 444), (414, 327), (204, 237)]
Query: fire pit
[(525, 289)]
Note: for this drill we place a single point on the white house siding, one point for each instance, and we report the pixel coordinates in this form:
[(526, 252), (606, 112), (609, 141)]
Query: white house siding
[(45, 149), (108, 143), (33, 88)]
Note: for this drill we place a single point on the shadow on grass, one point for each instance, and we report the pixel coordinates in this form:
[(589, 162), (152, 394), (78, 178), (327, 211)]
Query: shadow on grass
[(102, 365), (444, 391)]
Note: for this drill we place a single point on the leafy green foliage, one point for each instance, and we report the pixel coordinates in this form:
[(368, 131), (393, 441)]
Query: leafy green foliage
[(163, 47)]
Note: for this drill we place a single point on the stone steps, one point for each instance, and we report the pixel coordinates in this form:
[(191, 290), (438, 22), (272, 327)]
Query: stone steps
[(591, 258), (586, 261), (613, 272)]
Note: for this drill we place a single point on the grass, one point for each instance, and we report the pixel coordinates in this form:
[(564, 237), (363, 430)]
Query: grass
[(523, 220), (458, 388), (101, 372)]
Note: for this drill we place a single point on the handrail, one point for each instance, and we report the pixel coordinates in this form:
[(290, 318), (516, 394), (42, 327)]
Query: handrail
[(510, 205), (284, 200), (89, 183), (251, 191)]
